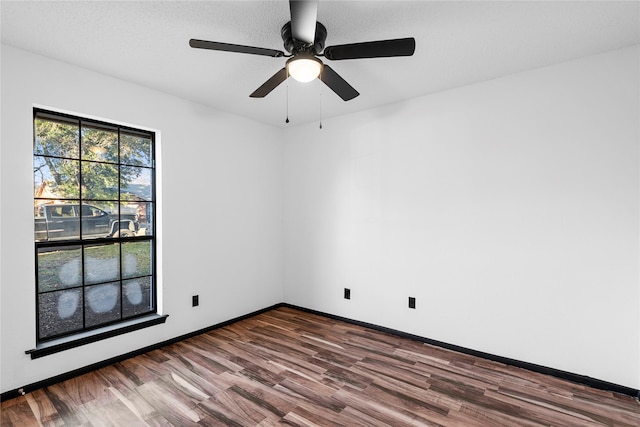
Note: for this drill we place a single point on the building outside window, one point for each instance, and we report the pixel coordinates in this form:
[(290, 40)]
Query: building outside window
[(94, 224)]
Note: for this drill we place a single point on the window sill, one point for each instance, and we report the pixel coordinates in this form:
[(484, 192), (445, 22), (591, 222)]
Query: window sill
[(56, 346)]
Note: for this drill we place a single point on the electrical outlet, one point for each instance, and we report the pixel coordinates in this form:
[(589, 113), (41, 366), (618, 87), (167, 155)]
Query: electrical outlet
[(347, 293), (412, 302), (195, 300)]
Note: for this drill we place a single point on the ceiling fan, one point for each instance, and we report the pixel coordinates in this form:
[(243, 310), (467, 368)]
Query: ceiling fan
[(304, 39)]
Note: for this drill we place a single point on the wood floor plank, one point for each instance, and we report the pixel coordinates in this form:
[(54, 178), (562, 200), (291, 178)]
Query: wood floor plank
[(380, 414), (43, 409), (288, 367), (18, 413), (242, 408), (412, 396), (413, 406), (169, 404), (115, 413), (71, 411), (344, 377), (272, 406), (198, 376), (309, 410), (373, 368), (136, 404), (213, 413)]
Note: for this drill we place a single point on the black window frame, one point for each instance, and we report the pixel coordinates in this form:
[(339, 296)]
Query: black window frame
[(89, 333)]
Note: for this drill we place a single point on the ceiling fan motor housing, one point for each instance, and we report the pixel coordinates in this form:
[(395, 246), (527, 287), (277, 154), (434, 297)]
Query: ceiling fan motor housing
[(296, 47)]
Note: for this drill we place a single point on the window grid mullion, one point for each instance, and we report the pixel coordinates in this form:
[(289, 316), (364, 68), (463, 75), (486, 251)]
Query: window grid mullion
[(120, 266), (80, 233)]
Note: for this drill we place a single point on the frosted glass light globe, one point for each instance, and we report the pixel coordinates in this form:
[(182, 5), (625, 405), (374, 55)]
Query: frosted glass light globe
[(304, 69)]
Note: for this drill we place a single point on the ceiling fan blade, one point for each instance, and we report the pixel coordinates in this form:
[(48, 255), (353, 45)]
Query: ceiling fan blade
[(337, 84), (376, 49), (228, 47), (304, 14), (270, 84)]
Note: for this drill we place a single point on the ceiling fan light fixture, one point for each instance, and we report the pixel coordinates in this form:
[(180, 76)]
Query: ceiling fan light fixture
[(304, 68)]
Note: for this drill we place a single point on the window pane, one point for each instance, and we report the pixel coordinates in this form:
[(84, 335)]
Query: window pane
[(59, 268), (99, 181), (59, 312), (101, 263), (137, 297), (135, 149), (56, 138), (102, 303), (56, 220), (129, 211), (55, 178), (135, 183), (145, 219), (97, 219), (100, 144), (39, 222), (126, 224), (136, 259)]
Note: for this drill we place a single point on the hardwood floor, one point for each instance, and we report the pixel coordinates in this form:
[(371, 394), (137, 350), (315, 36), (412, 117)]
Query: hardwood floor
[(294, 368)]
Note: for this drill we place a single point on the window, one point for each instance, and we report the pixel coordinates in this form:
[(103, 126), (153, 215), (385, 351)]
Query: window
[(94, 224)]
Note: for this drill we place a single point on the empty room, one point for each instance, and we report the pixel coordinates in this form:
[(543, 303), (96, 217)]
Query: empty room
[(320, 213)]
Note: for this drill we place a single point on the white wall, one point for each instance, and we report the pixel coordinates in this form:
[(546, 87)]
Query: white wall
[(509, 209), (221, 202)]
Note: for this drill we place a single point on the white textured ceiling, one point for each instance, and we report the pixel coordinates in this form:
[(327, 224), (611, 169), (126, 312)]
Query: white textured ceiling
[(457, 43)]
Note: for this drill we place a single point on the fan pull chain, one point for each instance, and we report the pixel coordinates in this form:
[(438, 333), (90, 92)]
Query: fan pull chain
[(321, 97), (321, 110), (287, 84)]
